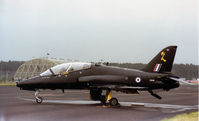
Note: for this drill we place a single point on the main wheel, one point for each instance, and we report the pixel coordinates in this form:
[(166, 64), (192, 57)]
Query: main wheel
[(39, 99), (113, 102)]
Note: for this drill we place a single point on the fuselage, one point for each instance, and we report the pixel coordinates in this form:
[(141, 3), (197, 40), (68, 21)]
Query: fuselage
[(71, 79)]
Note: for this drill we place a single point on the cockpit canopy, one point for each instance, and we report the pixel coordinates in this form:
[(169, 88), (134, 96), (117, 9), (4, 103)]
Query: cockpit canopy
[(65, 68)]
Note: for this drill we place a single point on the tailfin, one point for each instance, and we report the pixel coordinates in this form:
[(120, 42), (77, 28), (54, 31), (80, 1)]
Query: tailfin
[(162, 62)]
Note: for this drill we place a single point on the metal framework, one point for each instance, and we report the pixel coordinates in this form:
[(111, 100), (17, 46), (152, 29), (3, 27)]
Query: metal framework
[(35, 67)]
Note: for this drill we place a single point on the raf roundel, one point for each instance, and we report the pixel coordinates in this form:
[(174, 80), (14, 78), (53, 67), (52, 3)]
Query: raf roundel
[(138, 79)]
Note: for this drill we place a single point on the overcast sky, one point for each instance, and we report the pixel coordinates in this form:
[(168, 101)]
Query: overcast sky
[(91, 30)]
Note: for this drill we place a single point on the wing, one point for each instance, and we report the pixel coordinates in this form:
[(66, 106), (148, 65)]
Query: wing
[(102, 78), (113, 82)]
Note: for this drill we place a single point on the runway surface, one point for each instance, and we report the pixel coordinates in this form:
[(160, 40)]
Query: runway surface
[(20, 105)]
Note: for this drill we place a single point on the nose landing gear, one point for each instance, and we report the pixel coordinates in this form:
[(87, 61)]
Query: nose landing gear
[(37, 98)]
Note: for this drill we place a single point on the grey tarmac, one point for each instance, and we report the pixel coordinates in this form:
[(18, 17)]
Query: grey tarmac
[(74, 105)]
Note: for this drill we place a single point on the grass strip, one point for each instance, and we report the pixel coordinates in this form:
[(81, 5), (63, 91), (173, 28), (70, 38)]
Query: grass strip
[(193, 116)]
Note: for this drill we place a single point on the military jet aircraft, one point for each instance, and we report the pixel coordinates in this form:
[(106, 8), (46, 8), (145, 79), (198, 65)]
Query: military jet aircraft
[(101, 79)]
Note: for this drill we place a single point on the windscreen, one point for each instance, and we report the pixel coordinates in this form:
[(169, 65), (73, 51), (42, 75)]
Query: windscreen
[(58, 69), (66, 68)]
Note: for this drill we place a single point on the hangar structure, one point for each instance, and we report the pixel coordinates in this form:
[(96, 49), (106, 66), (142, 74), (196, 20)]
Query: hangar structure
[(35, 67)]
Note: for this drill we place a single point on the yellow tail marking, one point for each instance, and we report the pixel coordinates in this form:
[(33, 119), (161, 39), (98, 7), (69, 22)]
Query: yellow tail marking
[(162, 58)]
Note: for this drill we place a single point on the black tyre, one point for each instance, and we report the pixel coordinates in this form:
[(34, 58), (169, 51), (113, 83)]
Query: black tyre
[(39, 99), (113, 102)]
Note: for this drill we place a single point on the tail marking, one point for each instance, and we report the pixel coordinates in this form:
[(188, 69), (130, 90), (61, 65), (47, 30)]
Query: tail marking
[(157, 67), (162, 58)]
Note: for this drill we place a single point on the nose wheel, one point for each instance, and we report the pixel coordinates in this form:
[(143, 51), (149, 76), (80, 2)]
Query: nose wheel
[(37, 98)]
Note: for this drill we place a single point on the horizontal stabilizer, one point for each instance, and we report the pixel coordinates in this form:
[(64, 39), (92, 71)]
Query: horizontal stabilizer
[(180, 80)]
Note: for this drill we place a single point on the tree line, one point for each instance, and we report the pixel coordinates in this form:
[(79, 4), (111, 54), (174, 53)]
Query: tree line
[(8, 69)]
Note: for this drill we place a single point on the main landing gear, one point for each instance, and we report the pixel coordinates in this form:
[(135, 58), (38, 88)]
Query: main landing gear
[(96, 94), (113, 102), (37, 98), (108, 99)]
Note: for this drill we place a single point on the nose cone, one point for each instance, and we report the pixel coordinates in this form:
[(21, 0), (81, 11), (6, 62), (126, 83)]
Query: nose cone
[(20, 84), (27, 84)]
